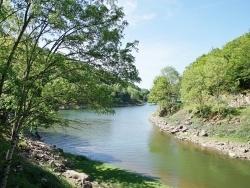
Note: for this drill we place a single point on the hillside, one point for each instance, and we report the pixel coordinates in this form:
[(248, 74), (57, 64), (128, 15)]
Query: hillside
[(214, 92)]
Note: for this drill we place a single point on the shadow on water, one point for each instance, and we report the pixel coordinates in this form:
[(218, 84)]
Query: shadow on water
[(98, 171), (128, 140), (76, 145), (98, 156)]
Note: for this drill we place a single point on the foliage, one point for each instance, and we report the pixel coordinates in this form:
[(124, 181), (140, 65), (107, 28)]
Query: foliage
[(104, 174), (57, 52), (165, 91), (127, 95), (234, 127), (31, 174), (108, 175), (219, 73), (237, 55)]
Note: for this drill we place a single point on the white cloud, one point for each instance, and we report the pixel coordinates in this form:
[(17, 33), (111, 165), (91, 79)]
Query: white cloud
[(135, 19), (128, 6), (132, 14)]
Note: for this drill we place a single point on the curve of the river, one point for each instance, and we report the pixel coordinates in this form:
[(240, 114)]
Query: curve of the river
[(129, 141)]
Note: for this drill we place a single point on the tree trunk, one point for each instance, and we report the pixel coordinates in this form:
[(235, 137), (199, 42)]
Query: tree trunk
[(8, 160)]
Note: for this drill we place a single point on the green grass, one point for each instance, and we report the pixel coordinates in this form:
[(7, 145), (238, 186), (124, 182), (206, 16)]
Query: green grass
[(106, 175), (31, 175), (221, 129)]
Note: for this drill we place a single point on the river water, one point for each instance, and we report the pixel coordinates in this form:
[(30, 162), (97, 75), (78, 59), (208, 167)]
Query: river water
[(128, 140)]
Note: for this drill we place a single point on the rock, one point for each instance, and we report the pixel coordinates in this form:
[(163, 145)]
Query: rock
[(203, 133), (180, 127), (174, 131), (204, 145), (187, 122), (52, 164), (60, 165), (58, 170), (76, 175), (221, 144), (243, 150), (231, 154), (184, 129), (87, 185), (95, 184)]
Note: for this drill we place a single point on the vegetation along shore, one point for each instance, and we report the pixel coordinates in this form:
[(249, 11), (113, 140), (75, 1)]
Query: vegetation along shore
[(189, 130), (72, 52), (210, 103), (61, 53), (36, 164)]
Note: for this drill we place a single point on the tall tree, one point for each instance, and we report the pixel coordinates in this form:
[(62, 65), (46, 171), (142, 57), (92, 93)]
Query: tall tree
[(166, 90), (57, 51)]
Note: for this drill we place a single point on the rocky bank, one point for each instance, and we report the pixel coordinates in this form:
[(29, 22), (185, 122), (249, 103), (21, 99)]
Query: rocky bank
[(41, 154), (202, 139)]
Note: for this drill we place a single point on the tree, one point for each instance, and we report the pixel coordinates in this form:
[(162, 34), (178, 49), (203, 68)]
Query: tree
[(173, 78), (129, 94), (144, 94), (220, 72), (236, 53), (59, 52), (165, 90)]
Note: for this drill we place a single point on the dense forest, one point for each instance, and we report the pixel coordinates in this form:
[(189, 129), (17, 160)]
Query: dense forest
[(61, 52)]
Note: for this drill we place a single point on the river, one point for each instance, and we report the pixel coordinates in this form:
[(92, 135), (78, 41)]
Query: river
[(129, 141)]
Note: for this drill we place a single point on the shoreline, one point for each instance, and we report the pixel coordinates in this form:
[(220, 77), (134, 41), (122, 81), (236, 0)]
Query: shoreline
[(78, 170), (68, 107), (41, 154), (201, 138)]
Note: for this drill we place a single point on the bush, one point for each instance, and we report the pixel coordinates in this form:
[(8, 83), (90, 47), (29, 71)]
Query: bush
[(206, 111), (169, 109)]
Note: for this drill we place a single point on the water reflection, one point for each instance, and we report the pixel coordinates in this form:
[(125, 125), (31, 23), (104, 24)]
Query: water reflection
[(187, 165), (128, 140)]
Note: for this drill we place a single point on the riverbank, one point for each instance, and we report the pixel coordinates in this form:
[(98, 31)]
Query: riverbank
[(69, 107), (36, 164), (185, 131)]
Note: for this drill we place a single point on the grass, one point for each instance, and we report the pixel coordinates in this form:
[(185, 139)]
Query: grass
[(111, 176), (223, 129), (31, 175)]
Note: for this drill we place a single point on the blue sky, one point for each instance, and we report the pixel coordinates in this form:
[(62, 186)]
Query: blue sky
[(176, 32)]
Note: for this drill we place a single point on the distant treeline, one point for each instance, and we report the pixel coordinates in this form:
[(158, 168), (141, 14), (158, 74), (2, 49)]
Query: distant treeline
[(130, 95)]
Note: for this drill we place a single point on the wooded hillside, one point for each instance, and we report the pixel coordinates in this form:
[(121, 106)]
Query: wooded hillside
[(215, 77)]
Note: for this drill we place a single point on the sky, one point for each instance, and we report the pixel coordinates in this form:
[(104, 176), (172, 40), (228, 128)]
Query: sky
[(176, 32)]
